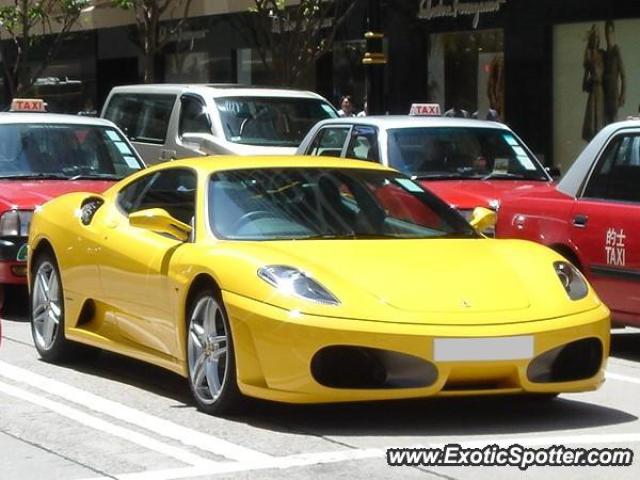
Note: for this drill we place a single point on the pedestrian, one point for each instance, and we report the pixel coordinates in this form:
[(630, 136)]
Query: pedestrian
[(365, 110), (456, 112), (346, 107)]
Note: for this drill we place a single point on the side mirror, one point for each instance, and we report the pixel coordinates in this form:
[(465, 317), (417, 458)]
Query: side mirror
[(206, 143), (483, 219), (554, 172), (158, 220)]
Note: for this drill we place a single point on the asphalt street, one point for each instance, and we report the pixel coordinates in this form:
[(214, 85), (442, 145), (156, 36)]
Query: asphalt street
[(117, 418)]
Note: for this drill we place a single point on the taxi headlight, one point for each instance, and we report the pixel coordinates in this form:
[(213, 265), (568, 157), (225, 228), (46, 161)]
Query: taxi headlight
[(291, 281), (572, 280), (15, 223)]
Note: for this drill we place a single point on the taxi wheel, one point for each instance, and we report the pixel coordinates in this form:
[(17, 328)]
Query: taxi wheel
[(47, 314), (211, 356)]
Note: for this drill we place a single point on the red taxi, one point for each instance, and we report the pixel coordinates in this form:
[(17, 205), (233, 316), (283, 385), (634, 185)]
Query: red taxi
[(46, 155), (592, 217), (468, 163)]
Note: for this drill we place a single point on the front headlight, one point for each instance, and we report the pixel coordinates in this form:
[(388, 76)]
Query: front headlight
[(291, 281), (15, 223), (572, 280)]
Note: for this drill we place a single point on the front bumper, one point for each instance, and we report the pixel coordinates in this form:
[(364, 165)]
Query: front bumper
[(277, 353), (13, 265)]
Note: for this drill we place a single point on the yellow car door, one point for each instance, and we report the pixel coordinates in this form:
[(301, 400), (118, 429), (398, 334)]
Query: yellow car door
[(135, 260)]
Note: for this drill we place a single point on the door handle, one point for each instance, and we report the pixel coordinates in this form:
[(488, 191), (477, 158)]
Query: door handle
[(580, 221), (167, 155)]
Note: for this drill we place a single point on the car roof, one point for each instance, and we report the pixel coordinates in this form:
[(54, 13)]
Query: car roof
[(216, 90), (411, 121), (234, 162), (38, 118), (574, 178)]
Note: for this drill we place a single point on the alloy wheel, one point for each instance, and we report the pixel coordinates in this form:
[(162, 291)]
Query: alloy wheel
[(207, 349)]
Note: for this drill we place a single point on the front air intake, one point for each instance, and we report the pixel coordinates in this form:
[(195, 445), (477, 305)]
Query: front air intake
[(577, 360), (344, 366)]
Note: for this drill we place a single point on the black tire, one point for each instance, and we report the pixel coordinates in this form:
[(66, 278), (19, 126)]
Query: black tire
[(228, 398), (54, 348)]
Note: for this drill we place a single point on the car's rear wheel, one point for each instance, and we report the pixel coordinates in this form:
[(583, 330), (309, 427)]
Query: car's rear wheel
[(211, 356), (47, 312)]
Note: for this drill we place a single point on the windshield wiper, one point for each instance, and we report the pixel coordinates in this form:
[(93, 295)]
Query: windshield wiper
[(96, 176), (35, 176), (346, 236), (505, 175), (438, 176)]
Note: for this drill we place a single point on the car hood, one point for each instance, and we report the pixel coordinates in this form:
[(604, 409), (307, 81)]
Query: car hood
[(438, 281), (29, 194), (469, 194)]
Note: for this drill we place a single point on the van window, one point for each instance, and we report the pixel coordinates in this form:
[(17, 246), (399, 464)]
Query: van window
[(193, 116), (272, 121), (143, 117)]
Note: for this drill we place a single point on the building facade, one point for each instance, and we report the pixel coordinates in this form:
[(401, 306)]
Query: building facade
[(555, 70)]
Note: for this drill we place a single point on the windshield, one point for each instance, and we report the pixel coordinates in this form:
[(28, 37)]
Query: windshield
[(271, 121), (64, 151), (312, 203), (461, 152)]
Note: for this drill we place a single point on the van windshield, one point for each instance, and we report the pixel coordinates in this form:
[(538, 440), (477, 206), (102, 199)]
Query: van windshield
[(271, 121)]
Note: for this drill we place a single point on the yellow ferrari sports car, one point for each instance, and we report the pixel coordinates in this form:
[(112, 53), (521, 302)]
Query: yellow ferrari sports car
[(305, 280)]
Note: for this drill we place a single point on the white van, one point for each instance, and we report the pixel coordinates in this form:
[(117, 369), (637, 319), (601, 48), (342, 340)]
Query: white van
[(167, 122)]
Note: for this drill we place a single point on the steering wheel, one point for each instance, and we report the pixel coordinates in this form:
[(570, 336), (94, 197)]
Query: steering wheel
[(249, 217)]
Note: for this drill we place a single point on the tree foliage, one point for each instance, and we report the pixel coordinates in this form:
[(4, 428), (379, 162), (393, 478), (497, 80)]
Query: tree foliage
[(34, 26), (153, 32), (291, 38)]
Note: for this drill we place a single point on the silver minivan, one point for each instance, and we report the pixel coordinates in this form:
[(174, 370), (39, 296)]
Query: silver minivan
[(167, 122)]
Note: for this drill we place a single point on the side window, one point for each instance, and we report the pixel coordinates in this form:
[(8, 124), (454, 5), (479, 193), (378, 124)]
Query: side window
[(129, 196), (193, 116), (143, 117), (617, 174), (173, 190), (364, 144), (329, 141)]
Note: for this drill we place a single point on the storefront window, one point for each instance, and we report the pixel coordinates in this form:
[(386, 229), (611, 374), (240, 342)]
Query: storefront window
[(593, 63), (68, 86), (348, 71), (466, 73)]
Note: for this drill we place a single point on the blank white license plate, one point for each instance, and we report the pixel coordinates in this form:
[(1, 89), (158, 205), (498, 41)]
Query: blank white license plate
[(482, 349)]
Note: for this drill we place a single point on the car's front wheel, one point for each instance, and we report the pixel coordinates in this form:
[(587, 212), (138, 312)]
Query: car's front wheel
[(211, 356)]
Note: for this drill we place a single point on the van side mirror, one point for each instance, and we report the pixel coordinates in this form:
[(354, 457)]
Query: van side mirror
[(483, 219), (205, 143), (160, 221)]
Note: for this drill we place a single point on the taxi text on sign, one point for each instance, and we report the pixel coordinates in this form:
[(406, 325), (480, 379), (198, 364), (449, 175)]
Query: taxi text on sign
[(28, 105), (429, 109)]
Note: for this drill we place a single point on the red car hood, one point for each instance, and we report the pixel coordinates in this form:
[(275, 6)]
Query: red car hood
[(469, 194), (27, 195)]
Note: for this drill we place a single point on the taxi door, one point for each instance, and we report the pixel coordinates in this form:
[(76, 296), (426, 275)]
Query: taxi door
[(136, 261), (606, 226)]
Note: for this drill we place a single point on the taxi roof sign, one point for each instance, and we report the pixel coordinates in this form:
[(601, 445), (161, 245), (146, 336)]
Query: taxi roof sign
[(425, 109), (28, 105)]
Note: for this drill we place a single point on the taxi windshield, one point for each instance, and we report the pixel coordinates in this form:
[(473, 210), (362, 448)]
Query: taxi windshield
[(461, 152), (64, 151), (271, 121), (327, 203)]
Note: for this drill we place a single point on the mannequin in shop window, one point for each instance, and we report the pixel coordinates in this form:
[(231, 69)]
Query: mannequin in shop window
[(592, 85)]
